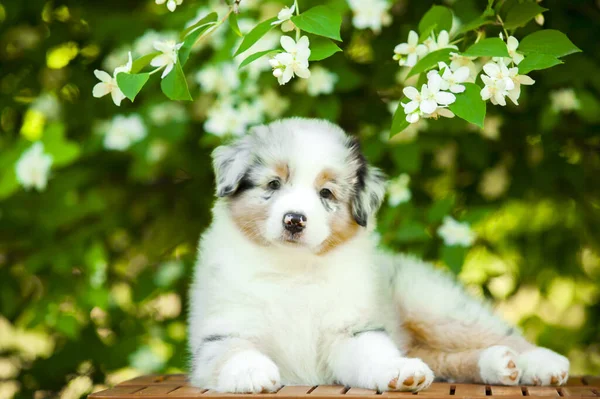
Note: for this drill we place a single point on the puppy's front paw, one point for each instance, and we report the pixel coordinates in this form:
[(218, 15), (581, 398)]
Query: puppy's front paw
[(407, 375), (498, 365), (249, 371), (542, 366)]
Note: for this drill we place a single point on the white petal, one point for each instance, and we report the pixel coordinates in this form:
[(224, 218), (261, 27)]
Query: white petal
[(288, 73), (508, 84), (431, 73), (434, 83), (401, 49), (284, 58), (525, 80), (517, 58), (410, 92), (171, 5), (103, 76), (428, 106), (288, 44), (412, 118), (499, 97), (117, 96), (445, 98), (160, 60), (411, 107), (443, 39), (485, 93), (461, 74), (413, 38), (168, 69), (514, 95), (491, 69), (445, 112), (457, 88), (302, 72), (421, 50), (101, 89), (512, 43), (411, 60)]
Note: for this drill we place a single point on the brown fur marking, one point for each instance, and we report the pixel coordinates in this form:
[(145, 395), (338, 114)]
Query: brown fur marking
[(343, 228), (324, 177), (249, 220), (283, 171)]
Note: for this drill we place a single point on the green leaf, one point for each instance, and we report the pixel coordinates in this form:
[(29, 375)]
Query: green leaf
[(426, 33), (469, 105), (454, 257), (209, 19), (233, 23), (320, 20), (321, 48), (399, 122), (491, 47), (63, 151), (190, 41), (535, 62), (141, 62), (474, 24), (521, 13), (548, 42), (412, 231), (255, 34), (131, 84), (255, 56), (440, 209), (430, 60), (174, 84), (437, 15)]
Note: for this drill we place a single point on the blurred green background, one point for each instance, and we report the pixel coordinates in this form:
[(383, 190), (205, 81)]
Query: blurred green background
[(94, 268)]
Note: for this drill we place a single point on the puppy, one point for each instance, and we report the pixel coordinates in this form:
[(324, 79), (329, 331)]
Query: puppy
[(289, 287)]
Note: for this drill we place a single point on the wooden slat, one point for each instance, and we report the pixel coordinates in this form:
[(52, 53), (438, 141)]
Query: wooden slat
[(463, 390), (577, 391), (117, 392), (186, 392), (437, 389), (592, 380), (361, 391), (396, 393), (542, 391), (497, 390), (156, 390), (575, 381), (294, 390), (326, 390), (144, 380)]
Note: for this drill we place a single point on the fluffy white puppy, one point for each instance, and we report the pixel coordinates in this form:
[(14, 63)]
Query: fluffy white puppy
[(289, 288)]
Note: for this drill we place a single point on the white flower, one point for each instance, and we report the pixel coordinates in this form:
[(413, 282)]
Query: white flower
[(455, 233), (564, 100), (512, 44), (284, 18), (497, 82), (443, 41), (168, 58), (459, 61), (494, 182), (398, 191), (171, 4), (273, 104), (123, 131), (539, 19), (370, 14), (33, 167), (439, 111), (518, 80), (293, 62), (221, 79), (145, 44), (407, 54), (224, 119), (108, 84), (161, 114), (451, 80), (321, 81), (426, 101)]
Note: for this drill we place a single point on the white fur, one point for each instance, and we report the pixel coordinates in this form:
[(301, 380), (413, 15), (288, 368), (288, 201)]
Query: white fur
[(541, 365), (265, 315), (497, 365)]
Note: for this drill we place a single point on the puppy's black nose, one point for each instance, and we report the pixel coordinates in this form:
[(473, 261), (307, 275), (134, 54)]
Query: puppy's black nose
[(294, 222)]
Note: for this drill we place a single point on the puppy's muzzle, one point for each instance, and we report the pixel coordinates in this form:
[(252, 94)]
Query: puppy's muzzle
[(294, 222)]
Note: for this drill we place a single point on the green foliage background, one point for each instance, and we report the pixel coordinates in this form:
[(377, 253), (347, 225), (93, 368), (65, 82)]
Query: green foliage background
[(94, 270)]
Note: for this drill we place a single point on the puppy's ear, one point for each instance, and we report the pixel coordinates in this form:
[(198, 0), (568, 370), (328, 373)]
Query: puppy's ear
[(231, 162), (369, 187)]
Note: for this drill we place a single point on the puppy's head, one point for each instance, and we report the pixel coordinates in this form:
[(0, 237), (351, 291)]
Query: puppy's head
[(298, 182)]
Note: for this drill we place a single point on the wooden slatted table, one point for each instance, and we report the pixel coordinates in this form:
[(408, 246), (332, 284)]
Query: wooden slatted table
[(176, 386)]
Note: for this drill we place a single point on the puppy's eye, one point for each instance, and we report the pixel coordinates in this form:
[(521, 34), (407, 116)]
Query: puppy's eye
[(274, 185), (326, 193)]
